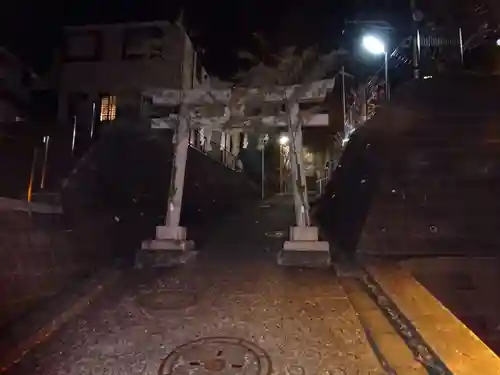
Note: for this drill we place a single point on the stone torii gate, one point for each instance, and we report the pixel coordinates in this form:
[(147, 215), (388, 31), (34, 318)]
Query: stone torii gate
[(238, 108)]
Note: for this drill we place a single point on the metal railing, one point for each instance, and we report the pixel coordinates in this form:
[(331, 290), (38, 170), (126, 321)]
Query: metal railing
[(320, 185), (323, 181), (214, 150)]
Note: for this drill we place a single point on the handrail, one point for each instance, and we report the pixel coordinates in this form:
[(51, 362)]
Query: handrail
[(222, 155), (320, 185), (323, 181)]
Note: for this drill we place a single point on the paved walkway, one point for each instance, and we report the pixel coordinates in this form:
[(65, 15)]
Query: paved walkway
[(231, 311)]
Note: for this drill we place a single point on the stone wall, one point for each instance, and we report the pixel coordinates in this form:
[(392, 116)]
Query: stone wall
[(112, 202), (123, 184), (437, 155), (421, 177), (37, 257)]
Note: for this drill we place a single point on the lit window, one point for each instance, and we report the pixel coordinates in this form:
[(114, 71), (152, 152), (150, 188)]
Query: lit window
[(108, 108)]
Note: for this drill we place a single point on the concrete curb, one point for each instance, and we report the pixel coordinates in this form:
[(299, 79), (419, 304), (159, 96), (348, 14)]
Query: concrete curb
[(23, 338), (457, 346), (24, 206)]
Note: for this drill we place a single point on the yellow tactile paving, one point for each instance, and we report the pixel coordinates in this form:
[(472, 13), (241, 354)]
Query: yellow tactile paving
[(388, 341), (457, 346)]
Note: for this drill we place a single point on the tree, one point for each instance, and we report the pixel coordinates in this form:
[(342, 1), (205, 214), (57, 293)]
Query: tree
[(287, 67), (290, 66)]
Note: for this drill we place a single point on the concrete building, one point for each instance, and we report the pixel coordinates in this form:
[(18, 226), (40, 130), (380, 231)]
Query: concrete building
[(104, 67)]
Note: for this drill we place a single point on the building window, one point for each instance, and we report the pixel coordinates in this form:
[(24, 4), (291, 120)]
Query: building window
[(143, 43), (83, 46), (108, 108)]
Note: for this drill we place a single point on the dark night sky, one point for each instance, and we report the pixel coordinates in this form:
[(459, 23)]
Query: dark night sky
[(221, 28)]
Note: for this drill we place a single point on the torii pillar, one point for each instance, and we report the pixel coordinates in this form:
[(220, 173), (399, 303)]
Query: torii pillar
[(170, 246), (304, 248)]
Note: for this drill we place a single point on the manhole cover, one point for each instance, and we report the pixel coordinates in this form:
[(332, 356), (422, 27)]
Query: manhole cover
[(166, 299), (227, 355)]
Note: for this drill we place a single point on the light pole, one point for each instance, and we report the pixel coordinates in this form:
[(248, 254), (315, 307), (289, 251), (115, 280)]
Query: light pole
[(262, 144), (417, 16), (376, 46), (283, 142)]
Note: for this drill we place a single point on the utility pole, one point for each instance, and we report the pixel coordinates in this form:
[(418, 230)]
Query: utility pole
[(263, 173), (281, 168), (386, 75), (262, 145), (344, 101), (415, 15)]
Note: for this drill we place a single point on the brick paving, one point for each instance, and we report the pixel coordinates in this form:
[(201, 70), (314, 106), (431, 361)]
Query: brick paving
[(265, 319)]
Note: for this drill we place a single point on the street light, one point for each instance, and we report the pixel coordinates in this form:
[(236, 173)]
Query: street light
[(373, 45), (498, 42), (377, 47), (284, 140)]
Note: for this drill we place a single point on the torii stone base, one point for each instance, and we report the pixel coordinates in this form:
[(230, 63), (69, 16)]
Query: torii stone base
[(170, 248), (305, 250)]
